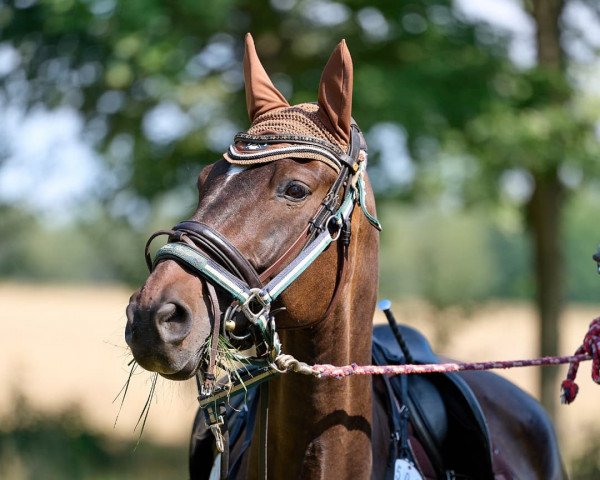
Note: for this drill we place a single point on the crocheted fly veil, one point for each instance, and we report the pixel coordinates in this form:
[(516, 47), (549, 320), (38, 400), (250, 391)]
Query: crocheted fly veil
[(315, 131)]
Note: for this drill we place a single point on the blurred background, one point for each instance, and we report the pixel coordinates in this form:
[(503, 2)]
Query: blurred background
[(482, 119)]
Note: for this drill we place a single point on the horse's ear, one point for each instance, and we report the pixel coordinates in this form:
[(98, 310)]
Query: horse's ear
[(261, 94), (335, 93)]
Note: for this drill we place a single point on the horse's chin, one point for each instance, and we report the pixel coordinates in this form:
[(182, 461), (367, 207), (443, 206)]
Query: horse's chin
[(185, 373), (169, 368)]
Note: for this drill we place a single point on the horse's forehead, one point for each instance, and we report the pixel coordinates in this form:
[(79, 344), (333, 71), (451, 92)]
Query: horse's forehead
[(229, 172), (226, 178), (234, 170)]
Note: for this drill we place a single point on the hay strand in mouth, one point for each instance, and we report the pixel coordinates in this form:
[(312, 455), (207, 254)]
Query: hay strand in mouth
[(146, 409), (228, 362), (124, 390)]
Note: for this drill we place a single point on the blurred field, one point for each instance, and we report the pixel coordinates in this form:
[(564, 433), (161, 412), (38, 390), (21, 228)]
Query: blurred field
[(64, 346)]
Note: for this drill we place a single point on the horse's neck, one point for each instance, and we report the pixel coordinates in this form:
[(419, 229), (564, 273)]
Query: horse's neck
[(321, 428)]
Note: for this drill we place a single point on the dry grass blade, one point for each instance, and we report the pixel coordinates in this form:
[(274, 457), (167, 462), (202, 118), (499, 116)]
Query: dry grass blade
[(146, 409), (124, 390), (227, 361)]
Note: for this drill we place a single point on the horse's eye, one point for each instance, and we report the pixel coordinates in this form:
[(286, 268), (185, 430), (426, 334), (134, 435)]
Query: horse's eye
[(296, 191)]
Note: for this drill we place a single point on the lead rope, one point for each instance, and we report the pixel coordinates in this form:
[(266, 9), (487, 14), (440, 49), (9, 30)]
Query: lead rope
[(591, 348), (332, 371)]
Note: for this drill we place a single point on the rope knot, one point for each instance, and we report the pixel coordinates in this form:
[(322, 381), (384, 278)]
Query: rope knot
[(590, 347)]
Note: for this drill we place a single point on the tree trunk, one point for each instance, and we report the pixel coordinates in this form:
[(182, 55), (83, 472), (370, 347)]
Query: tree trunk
[(546, 14), (545, 219), (544, 215)]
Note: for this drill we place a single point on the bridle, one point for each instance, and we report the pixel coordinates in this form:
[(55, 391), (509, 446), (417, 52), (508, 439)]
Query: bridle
[(212, 257)]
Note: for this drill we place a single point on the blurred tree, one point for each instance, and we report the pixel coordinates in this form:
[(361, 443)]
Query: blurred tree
[(160, 84), (538, 137), (544, 208)]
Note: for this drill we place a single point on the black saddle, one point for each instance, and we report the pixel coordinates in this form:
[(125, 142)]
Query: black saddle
[(445, 416)]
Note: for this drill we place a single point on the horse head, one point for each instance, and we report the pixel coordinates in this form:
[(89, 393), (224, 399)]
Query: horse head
[(280, 187)]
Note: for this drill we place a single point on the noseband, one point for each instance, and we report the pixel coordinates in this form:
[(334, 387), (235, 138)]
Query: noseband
[(213, 258)]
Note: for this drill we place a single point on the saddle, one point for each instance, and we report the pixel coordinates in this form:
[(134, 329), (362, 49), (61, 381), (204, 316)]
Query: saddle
[(446, 419), (445, 416)]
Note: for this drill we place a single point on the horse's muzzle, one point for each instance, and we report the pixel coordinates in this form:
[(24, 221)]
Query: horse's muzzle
[(156, 335)]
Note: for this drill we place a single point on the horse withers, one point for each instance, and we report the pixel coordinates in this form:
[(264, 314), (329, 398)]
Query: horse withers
[(281, 256)]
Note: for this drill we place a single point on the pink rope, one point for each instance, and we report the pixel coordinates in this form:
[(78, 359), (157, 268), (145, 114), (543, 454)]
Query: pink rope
[(354, 369), (590, 348)]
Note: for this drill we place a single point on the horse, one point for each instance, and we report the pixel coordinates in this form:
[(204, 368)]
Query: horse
[(281, 255)]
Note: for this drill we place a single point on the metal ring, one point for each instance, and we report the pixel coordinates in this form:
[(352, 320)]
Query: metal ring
[(338, 225), (229, 313)]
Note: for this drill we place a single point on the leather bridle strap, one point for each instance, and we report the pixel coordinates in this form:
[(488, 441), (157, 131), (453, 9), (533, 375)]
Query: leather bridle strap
[(263, 423), (220, 249), (206, 382), (278, 265), (211, 243), (209, 375)]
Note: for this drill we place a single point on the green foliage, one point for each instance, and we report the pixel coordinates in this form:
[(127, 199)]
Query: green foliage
[(586, 466), (436, 255), (582, 238), (15, 228), (100, 248), (459, 258), (122, 63), (35, 445), (540, 139)]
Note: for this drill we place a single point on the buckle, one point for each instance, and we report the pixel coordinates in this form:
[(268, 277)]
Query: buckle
[(257, 305), (215, 420)]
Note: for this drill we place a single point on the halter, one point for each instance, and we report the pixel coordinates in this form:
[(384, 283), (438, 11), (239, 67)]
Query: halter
[(212, 257)]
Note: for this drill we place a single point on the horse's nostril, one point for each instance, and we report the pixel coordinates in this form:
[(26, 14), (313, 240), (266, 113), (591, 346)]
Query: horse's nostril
[(166, 313), (173, 321)]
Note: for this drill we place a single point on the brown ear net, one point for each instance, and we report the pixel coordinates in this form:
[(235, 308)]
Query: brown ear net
[(315, 131), (335, 93), (261, 94)]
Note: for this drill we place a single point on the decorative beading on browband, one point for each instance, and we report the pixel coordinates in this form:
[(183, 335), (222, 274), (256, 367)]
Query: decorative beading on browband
[(288, 138), (255, 149), (264, 155), (295, 132)]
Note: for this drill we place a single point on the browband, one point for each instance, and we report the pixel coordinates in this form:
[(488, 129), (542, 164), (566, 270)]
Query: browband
[(255, 149)]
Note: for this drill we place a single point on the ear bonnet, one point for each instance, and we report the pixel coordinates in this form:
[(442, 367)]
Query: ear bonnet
[(313, 131)]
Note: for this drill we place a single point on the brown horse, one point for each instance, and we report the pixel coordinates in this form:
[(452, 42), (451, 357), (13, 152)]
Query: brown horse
[(258, 206)]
